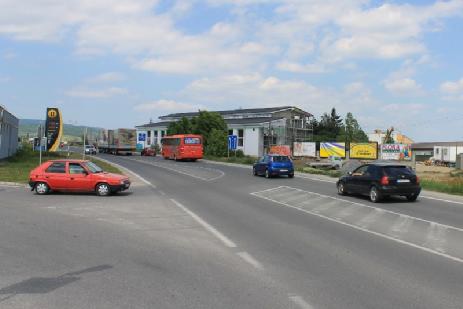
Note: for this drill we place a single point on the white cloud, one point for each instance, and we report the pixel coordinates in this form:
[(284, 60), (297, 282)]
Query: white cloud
[(404, 86), (452, 90), (82, 92), (167, 106), (412, 108), (107, 77), (5, 79)]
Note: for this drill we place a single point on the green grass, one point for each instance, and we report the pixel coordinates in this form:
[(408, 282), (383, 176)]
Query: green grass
[(248, 160), (451, 187), (17, 168), (317, 171)]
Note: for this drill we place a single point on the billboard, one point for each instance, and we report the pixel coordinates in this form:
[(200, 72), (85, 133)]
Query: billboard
[(396, 152), (367, 151), (53, 128), (284, 150), (332, 149), (304, 149)]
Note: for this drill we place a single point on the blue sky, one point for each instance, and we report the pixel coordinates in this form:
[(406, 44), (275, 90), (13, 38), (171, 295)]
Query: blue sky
[(119, 63)]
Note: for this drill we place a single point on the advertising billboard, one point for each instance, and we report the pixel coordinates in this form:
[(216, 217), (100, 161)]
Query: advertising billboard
[(332, 149), (284, 150), (304, 149), (397, 152), (364, 151), (53, 128)]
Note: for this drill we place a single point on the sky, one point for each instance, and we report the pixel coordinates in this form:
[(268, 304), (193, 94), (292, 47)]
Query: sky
[(120, 63)]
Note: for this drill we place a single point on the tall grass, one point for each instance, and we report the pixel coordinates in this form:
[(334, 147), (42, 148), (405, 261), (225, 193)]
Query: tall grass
[(452, 187)]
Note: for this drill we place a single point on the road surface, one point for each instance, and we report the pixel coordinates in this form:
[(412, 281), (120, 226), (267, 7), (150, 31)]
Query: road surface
[(202, 235)]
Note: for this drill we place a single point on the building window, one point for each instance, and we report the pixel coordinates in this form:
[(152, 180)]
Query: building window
[(148, 141), (163, 133), (437, 151), (240, 137), (230, 132)]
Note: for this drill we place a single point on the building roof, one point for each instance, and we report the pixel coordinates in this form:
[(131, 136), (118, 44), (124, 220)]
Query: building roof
[(238, 121), (236, 111), (430, 145), (155, 124)]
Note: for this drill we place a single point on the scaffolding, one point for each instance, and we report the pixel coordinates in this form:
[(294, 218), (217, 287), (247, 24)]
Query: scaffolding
[(287, 131)]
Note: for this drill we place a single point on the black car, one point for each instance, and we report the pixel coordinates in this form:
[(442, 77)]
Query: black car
[(381, 180)]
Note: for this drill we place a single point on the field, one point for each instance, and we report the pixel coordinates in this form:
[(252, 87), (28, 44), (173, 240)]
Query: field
[(442, 179)]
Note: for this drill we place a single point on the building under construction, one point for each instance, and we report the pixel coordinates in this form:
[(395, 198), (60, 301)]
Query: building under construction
[(257, 129)]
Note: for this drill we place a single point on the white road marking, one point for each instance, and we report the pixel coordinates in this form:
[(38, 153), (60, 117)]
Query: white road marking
[(450, 257), (124, 168), (436, 237), (257, 193), (441, 200), (402, 225), (298, 300), (227, 242), (221, 173), (162, 192), (370, 218), (251, 260)]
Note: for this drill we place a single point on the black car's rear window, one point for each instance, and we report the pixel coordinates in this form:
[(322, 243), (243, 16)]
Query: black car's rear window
[(395, 171), (280, 159)]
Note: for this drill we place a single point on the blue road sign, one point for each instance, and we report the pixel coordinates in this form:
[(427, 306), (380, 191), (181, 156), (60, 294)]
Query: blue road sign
[(232, 142), (141, 137)]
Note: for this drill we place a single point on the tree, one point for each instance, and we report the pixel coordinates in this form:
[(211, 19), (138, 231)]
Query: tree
[(216, 143), (330, 125), (352, 130), (183, 126)]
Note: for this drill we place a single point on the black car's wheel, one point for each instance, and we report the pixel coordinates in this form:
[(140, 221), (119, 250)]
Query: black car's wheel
[(41, 188), (412, 197), (342, 188), (103, 189), (267, 174), (254, 171), (375, 195), (291, 175)]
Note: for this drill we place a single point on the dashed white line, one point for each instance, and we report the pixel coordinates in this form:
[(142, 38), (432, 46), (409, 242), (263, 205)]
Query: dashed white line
[(298, 300), (441, 200), (226, 241), (250, 259)]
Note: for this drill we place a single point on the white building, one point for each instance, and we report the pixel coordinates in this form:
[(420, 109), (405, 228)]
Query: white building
[(257, 129), (439, 151), (9, 125)]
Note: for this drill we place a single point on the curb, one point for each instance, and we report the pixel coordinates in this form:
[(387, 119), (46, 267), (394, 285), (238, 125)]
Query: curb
[(12, 184)]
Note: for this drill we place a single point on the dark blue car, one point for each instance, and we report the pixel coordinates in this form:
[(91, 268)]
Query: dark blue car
[(274, 165)]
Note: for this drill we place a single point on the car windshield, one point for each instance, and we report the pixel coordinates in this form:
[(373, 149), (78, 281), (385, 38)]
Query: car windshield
[(280, 159), (395, 171), (88, 146), (92, 167)]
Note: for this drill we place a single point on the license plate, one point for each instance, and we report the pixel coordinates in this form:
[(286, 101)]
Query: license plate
[(403, 180), (283, 170)]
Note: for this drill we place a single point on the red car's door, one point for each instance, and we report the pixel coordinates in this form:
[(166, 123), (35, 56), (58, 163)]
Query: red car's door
[(55, 175), (78, 178)]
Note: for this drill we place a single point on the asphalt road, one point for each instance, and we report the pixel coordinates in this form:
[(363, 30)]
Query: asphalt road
[(201, 235)]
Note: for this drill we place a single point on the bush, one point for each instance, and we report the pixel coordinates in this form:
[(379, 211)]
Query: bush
[(216, 143), (239, 153)]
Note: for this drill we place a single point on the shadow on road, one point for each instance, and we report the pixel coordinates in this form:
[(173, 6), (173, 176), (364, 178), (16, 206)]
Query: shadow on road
[(43, 285)]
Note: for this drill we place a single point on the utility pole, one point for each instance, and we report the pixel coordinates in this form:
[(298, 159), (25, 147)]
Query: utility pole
[(40, 144), (85, 137)]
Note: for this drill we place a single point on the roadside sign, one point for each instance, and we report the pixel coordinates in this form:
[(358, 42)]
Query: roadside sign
[(232, 142), (141, 137)]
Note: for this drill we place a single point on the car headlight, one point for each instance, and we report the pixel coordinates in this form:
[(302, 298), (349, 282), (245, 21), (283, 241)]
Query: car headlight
[(122, 182)]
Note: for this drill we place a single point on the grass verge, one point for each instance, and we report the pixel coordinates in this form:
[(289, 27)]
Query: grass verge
[(451, 187), (17, 167)]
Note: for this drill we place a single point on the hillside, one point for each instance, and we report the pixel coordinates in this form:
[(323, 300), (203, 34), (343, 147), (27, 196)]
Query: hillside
[(71, 132)]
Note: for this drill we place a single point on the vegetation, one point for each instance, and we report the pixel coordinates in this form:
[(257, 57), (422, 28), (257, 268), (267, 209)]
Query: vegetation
[(208, 124), (17, 168), (71, 133), (248, 160), (332, 127), (451, 187)]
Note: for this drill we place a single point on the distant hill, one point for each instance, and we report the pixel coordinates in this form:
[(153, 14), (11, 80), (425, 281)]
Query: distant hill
[(71, 132)]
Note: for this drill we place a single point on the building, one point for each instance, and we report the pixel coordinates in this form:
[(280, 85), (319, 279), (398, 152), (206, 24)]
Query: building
[(9, 125), (257, 128), (439, 151), (399, 138)]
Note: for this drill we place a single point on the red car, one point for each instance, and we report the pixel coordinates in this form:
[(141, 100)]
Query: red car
[(75, 176), (148, 152)]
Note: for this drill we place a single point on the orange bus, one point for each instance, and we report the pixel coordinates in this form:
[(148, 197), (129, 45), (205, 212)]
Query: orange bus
[(182, 147)]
